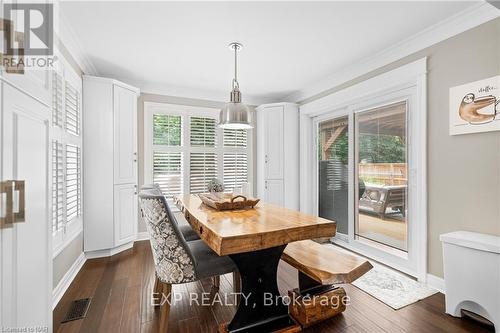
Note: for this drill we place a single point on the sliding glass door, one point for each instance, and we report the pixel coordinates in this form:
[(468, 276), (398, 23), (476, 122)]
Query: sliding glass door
[(362, 175), (333, 172), (381, 176)]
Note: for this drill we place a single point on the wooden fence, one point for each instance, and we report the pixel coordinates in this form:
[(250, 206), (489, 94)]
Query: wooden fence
[(384, 173)]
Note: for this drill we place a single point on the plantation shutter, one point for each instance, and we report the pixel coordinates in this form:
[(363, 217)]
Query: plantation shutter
[(57, 186), (203, 168), (72, 109), (235, 158), (235, 170), (73, 182), (57, 100), (203, 132), (202, 165), (235, 138), (166, 130), (167, 172)]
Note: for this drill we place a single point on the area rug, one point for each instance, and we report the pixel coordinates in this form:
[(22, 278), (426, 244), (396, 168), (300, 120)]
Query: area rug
[(392, 288)]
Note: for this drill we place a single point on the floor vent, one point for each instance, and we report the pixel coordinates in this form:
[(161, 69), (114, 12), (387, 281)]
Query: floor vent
[(77, 310)]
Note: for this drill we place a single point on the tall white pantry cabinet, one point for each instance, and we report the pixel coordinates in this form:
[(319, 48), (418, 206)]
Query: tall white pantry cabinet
[(278, 154), (110, 165)]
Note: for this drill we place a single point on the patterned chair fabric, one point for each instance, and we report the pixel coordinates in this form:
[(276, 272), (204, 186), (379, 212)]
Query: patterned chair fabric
[(173, 260), (183, 226)]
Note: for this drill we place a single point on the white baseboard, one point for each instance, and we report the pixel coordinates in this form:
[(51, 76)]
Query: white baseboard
[(66, 280), (435, 282), (108, 252), (144, 235)]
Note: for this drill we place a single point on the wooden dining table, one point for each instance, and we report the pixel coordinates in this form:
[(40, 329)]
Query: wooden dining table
[(255, 240)]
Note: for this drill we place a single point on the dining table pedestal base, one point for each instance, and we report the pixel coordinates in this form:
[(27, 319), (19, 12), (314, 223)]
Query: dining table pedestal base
[(261, 307)]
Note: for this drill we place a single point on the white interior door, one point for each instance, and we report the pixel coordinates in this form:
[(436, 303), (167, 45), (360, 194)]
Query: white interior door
[(125, 214), (26, 284), (274, 142), (125, 132)]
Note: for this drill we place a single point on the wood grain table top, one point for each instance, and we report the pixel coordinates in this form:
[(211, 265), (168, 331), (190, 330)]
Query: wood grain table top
[(327, 264), (237, 231)]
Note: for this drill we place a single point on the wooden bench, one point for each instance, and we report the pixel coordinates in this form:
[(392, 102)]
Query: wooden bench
[(320, 267)]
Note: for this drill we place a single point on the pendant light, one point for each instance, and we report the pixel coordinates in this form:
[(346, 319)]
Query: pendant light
[(235, 115)]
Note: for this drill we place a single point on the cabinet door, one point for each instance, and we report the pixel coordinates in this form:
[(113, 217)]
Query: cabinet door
[(26, 251), (274, 191), (274, 142), (125, 213), (125, 135)]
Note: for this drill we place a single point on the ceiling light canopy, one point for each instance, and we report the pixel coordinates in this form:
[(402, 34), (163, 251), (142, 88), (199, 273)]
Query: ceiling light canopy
[(235, 115)]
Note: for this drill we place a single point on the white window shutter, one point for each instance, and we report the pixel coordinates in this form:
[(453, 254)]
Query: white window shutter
[(203, 168), (73, 182), (57, 100), (72, 109), (235, 170), (167, 130), (57, 186), (167, 172), (202, 132), (235, 138)]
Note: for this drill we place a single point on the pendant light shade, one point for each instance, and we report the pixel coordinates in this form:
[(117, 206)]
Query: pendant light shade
[(235, 115)]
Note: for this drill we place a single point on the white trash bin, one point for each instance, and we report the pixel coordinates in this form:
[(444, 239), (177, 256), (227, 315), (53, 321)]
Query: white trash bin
[(472, 274)]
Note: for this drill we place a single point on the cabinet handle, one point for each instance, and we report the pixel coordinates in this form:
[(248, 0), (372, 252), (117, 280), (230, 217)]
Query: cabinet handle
[(266, 184), (12, 202), (266, 159)]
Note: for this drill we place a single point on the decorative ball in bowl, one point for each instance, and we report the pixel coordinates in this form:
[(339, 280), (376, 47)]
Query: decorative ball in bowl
[(215, 185)]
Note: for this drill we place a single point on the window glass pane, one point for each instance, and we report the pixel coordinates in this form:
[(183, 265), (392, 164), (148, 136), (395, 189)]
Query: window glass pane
[(382, 175), (235, 170), (166, 130), (203, 168), (235, 138), (167, 172), (202, 132), (333, 171)]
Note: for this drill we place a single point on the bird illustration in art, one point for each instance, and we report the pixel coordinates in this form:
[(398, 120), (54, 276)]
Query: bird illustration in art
[(470, 106)]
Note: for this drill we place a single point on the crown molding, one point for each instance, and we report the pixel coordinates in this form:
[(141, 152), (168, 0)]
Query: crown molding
[(70, 39), (465, 20)]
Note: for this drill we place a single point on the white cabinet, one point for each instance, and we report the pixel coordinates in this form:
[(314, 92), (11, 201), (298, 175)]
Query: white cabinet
[(25, 244), (274, 142), (278, 154), (125, 210), (125, 132), (273, 191), (110, 165)]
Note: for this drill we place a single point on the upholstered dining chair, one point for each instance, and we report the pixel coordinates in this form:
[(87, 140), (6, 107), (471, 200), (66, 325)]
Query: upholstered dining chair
[(176, 260), (184, 227)]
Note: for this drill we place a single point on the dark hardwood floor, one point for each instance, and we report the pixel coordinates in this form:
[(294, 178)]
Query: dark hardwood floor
[(121, 286)]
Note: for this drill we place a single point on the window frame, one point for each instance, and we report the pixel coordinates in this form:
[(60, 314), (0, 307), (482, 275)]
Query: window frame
[(404, 83), (186, 112)]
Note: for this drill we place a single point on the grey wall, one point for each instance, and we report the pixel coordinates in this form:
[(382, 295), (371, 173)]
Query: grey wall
[(64, 260), (463, 171), (146, 97)]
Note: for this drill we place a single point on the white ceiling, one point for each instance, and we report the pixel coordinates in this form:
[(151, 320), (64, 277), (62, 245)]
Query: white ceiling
[(180, 49)]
